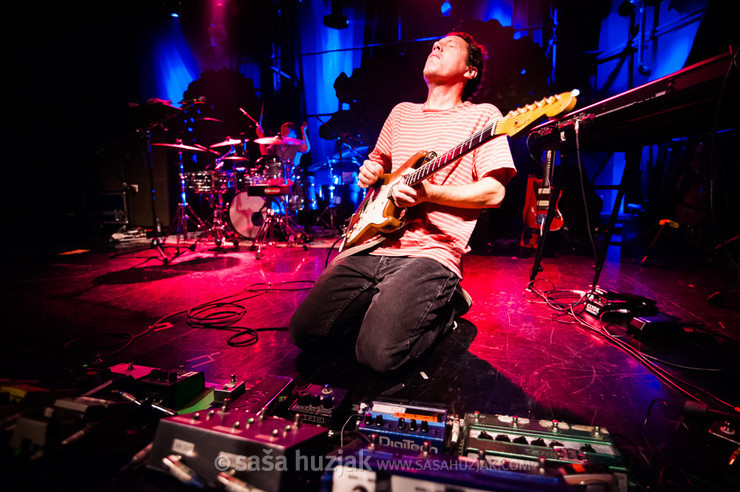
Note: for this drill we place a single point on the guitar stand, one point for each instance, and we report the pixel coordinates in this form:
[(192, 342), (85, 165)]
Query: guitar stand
[(540, 249)]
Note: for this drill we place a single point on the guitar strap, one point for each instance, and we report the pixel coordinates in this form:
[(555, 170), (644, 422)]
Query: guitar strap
[(359, 248)]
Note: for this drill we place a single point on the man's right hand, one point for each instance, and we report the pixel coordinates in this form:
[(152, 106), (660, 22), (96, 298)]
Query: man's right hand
[(369, 173)]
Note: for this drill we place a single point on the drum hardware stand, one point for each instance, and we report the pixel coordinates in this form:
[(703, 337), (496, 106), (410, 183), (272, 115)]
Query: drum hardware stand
[(219, 229), (183, 213), (280, 220), (330, 209)]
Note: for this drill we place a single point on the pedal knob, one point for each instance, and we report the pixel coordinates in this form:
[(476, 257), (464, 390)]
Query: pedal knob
[(379, 421), (327, 401), (401, 423), (368, 419), (424, 426), (412, 425)]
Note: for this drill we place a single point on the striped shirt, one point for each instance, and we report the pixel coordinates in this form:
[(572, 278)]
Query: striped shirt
[(436, 231)]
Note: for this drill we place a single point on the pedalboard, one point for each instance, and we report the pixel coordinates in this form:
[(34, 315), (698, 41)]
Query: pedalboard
[(530, 445), (320, 405), (406, 425)]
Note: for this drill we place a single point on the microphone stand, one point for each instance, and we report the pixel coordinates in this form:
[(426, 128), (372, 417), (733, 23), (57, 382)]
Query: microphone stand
[(156, 242)]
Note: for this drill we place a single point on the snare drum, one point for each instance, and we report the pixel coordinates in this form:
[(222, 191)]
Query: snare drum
[(210, 181), (247, 213)]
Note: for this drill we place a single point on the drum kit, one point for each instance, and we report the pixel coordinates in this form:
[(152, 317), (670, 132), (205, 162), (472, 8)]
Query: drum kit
[(246, 201)]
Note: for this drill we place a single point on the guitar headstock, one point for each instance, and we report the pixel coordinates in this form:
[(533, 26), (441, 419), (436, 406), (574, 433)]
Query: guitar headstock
[(518, 119)]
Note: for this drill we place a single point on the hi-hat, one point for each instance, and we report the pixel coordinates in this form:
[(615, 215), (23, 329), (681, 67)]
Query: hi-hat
[(278, 140), (229, 142)]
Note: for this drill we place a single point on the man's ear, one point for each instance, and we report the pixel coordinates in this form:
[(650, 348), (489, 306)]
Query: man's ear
[(471, 73)]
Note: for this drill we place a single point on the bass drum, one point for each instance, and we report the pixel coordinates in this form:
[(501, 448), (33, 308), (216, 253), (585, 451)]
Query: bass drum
[(247, 214)]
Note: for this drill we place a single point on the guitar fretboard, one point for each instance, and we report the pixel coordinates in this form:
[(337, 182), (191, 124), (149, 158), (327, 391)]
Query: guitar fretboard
[(476, 140)]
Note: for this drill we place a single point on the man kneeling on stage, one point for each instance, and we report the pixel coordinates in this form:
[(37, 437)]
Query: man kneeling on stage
[(395, 298)]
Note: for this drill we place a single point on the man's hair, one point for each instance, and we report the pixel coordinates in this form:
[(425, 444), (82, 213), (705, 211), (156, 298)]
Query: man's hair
[(290, 126), (476, 58)]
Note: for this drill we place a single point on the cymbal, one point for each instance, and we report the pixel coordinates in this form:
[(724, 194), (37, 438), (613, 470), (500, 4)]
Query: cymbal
[(229, 142), (207, 119), (180, 146), (278, 140), (235, 158)]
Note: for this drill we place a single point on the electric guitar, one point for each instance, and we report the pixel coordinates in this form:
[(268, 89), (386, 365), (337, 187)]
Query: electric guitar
[(537, 204), (377, 214)]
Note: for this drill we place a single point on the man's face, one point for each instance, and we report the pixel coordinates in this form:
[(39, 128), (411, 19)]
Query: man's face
[(448, 60)]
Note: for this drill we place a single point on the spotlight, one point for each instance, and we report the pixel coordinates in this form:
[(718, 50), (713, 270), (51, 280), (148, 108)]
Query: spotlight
[(336, 19), (446, 8), (626, 8)]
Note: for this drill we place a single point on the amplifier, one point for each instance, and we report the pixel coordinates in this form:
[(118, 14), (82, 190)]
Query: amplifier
[(406, 425), (529, 446), (269, 453)]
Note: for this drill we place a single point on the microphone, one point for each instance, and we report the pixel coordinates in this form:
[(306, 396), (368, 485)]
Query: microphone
[(197, 100)]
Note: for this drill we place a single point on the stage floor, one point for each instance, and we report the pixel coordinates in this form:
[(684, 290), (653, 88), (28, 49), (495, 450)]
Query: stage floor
[(511, 354)]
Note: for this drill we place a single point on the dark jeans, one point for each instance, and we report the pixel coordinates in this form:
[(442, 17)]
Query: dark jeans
[(396, 306)]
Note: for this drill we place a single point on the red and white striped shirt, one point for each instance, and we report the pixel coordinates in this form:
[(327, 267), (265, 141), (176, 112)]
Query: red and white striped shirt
[(436, 231)]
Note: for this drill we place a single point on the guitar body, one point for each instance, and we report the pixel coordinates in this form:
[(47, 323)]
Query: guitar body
[(377, 213), (536, 205)]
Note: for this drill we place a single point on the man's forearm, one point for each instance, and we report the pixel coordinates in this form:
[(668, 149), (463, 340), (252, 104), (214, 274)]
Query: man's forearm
[(485, 193)]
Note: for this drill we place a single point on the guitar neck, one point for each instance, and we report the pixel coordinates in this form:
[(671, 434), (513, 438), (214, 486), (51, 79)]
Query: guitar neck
[(511, 124), (431, 167)]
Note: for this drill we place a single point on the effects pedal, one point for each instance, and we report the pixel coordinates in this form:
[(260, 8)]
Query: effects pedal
[(228, 391), (269, 453), (266, 394), (171, 389), (530, 446), (406, 425), (363, 467), (320, 405), (600, 302)]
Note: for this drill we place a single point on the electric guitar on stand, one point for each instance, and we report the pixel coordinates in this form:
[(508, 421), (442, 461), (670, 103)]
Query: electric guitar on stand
[(377, 214), (536, 205)]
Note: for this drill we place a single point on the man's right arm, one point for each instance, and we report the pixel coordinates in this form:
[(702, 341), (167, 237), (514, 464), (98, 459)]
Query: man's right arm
[(369, 173)]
